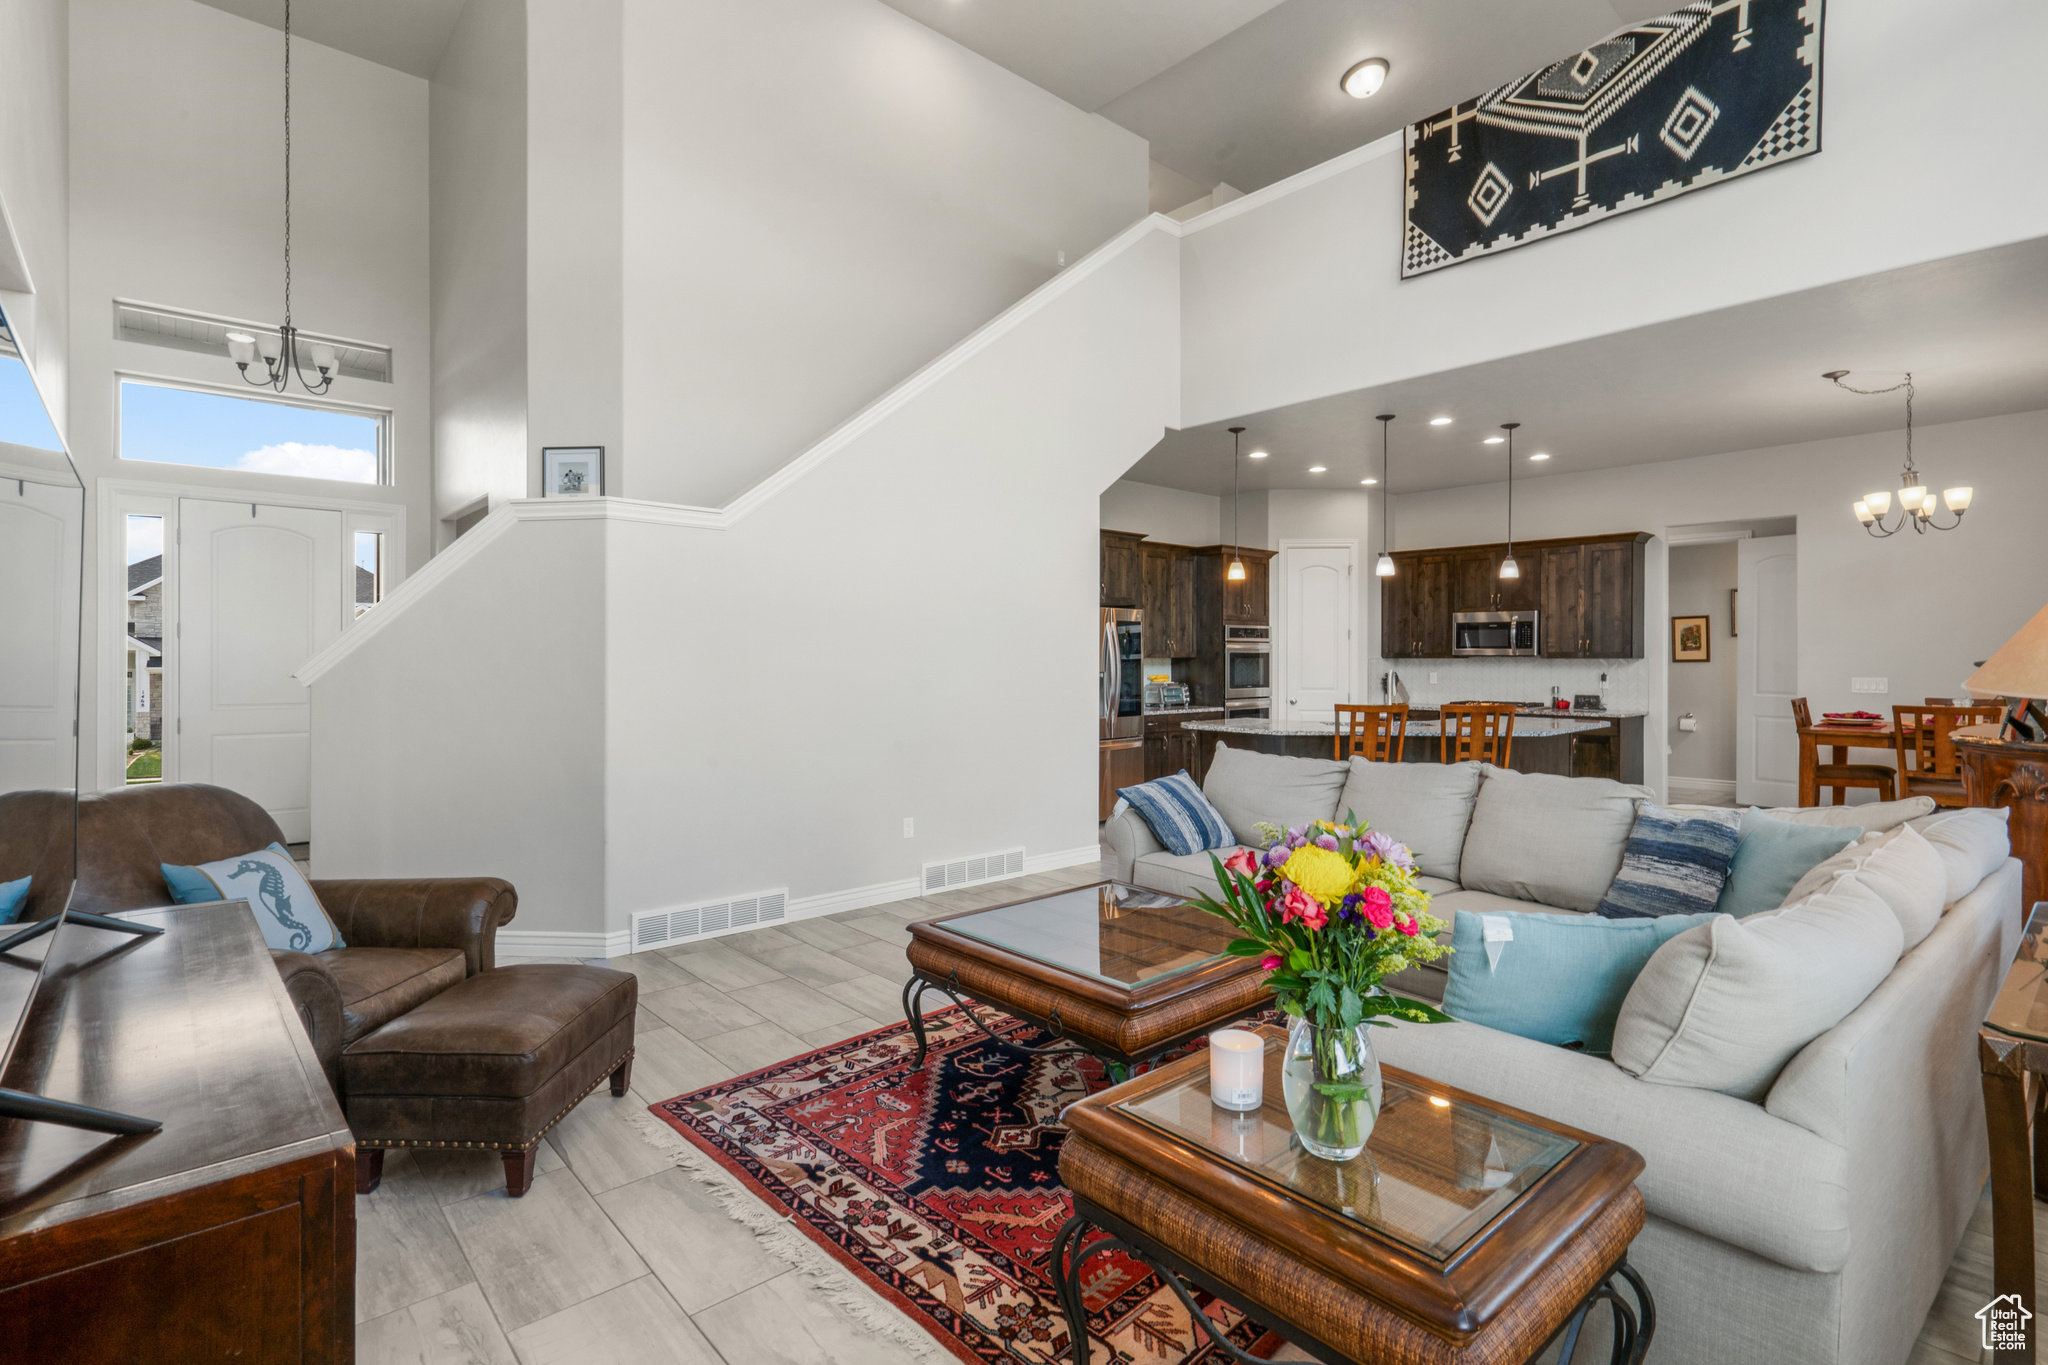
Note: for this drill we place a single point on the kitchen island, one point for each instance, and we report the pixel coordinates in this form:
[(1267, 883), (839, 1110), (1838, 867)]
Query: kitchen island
[(1567, 743)]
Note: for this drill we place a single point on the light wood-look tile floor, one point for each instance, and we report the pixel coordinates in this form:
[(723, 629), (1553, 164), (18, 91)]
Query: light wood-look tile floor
[(615, 1257)]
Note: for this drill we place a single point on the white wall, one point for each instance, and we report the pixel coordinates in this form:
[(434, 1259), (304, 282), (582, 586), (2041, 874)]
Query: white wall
[(708, 652), (477, 117), (1702, 576), (34, 187), (177, 198), (1172, 515), (1295, 295), (821, 195), (1918, 610)]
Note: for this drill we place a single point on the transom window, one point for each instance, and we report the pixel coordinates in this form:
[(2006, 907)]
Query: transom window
[(165, 424)]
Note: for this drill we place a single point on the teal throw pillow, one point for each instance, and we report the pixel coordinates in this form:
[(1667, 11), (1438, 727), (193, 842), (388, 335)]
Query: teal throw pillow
[(1771, 858), (13, 896), (1558, 979), (290, 915)]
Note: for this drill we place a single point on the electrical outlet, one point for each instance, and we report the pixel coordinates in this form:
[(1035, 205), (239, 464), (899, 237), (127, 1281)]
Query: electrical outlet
[(1432, 678), (1870, 685), (909, 827)]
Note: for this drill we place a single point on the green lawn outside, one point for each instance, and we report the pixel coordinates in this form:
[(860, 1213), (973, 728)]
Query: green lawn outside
[(147, 766)]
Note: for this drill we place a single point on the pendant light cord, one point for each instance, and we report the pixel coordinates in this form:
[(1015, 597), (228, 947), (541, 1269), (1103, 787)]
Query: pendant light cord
[(1511, 490), (1386, 485)]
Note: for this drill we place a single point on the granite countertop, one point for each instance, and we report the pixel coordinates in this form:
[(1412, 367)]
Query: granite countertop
[(1620, 714), (1179, 710), (1561, 724)]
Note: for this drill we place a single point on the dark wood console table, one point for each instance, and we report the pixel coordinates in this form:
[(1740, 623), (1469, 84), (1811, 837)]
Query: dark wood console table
[(230, 1235)]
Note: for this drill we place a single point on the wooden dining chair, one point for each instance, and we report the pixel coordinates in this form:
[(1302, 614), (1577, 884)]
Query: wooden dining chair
[(1482, 734), (1928, 762), (1374, 733), (1838, 777)]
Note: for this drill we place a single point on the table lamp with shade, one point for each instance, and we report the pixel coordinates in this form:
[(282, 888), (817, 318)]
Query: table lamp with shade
[(2017, 672)]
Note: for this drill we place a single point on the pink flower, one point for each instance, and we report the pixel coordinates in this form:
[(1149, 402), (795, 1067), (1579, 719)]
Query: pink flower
[(1328, 841), (1244, 860), (1298, 904), (1270, 962), (1407, 926), (1378, 907)]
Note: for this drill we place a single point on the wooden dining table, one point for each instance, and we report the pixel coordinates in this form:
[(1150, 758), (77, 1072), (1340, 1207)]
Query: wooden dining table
[(1841, 738)]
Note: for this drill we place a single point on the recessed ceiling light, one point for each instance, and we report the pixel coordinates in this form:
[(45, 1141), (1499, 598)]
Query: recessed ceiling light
[(1539, 455), (1368, 482), (1318, 469), (1256, 455), (1364, 80), (1439, 421), (1493, 440)]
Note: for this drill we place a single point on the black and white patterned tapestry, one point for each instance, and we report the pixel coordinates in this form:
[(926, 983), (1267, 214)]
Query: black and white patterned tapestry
[(1715, 90)]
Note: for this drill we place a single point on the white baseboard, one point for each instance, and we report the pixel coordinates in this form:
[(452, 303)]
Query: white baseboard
[(1701, 791), (514, 944)]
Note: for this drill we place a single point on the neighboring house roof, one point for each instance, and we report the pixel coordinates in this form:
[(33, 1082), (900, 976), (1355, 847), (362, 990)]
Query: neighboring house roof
[(366, 585), (144, 572), (149, 644)]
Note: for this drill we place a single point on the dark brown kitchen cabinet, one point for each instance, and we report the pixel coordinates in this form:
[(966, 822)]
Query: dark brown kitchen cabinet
[(1561, 609), (1171, 748), (1416, 606), (1248, 601), (1587, 591), (1614, 600), (1122, 571), (1479, 586), (1168, 600)]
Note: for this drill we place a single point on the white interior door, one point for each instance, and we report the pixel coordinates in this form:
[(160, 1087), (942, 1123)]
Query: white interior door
[(1317, 646), (40, 527), (1767, 671), (260, 592)]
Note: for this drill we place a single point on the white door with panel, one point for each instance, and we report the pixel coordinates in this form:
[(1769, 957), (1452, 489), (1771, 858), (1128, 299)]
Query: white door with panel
[(1767, 671), (261, 591), (40, 528), (1317, 647)]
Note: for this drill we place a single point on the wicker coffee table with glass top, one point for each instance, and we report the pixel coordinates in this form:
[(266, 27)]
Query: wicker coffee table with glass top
[(1117, 971), (1466, 1232)]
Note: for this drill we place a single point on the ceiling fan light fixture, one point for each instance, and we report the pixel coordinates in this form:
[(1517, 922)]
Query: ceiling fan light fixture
[(1364, 80)]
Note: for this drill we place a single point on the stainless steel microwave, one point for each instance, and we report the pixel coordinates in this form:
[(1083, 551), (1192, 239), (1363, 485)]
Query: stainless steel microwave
[(1494, 634)]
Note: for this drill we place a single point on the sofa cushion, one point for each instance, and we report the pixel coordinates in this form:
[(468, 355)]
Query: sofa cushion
[(1875, 817), (1435, 886), (1179, 816), (1558, 979), (1901, 867), (1181, 874), (1539, 837), (1771, 858), (1720, 1167), (1463, 899), (1725, 1005), (379, 984), (1672, 864), (1251, 788), (1971, 844), (1427, 806)]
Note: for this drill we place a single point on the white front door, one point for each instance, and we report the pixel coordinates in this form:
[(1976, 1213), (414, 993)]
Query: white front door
[(260, 592), (1767, 671), (1317, 580), (39, 546)]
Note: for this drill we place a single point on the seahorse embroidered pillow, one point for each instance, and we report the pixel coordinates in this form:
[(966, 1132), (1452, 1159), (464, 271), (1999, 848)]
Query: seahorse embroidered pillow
[(287, 911)]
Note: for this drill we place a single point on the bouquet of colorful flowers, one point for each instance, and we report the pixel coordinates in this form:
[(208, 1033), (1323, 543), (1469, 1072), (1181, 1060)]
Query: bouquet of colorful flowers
[(1331, 911)]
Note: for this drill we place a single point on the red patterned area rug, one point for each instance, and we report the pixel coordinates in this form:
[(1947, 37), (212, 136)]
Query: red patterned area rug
[(940, 1188)]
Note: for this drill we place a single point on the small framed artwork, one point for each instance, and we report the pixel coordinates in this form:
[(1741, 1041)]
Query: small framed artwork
[(572, 471), (1689, 643)]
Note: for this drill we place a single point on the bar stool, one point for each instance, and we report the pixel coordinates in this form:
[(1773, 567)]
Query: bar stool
[(1375, 733), (1480, 733)]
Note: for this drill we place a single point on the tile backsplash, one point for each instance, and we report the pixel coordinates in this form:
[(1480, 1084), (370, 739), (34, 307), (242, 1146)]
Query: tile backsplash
[(1628, 680)]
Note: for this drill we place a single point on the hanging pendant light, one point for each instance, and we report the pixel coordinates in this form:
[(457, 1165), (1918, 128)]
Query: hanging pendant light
[(280, 354), (1508, 567), (1917, 505), (1235, 573), (1385, 567)]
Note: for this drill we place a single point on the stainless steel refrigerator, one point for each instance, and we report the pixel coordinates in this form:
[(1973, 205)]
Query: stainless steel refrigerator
[(1123, 673)]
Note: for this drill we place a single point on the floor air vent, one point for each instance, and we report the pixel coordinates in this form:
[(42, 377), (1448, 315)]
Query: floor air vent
[(660, 928), (983, 867)]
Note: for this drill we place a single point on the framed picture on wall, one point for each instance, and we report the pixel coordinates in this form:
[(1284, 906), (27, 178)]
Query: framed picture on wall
[(572, 471), (1689, 642)]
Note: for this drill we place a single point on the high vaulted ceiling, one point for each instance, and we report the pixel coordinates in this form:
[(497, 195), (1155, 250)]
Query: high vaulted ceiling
[(408, 35), (1245, 91), (1745, 378)]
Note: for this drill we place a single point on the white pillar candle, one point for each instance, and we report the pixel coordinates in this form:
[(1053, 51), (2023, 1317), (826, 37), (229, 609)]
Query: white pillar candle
[(1237, 1069)]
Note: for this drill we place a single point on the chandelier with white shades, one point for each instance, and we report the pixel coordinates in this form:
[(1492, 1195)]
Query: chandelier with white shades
[(1917, 504)]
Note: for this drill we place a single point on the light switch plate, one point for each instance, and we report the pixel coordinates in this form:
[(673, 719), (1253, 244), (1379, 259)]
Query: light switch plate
[(909, 827), (1870, 685)]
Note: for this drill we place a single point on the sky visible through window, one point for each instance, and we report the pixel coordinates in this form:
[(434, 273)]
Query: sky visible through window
[(220, 431), (22, 419)]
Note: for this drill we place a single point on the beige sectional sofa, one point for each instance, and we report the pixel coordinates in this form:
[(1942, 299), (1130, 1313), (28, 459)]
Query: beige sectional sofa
[(1811, 1219)]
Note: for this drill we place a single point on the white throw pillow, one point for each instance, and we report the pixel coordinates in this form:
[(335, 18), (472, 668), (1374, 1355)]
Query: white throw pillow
[(1972, 844), (1901, 867), (1875, 817), (1725, 1005)]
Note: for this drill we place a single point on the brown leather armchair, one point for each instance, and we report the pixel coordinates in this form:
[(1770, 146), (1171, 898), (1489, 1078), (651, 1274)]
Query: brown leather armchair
[(408, 939)]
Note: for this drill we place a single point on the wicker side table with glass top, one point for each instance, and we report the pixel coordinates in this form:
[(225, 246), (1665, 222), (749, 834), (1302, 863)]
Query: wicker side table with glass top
[(2012, 1048)]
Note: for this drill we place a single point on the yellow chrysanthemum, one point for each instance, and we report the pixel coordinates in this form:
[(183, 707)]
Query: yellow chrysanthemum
[(1321, 873)]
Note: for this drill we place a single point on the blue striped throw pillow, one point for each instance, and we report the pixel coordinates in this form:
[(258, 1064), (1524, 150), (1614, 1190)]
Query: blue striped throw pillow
[(1179, 814), (1674, 864)]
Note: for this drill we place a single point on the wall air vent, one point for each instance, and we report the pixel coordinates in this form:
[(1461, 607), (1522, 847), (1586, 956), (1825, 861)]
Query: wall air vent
[(660, 928), (183, 330), (983, 867)]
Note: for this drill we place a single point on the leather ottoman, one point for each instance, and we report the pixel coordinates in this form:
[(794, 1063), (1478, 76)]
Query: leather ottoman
[(491, 1062)]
